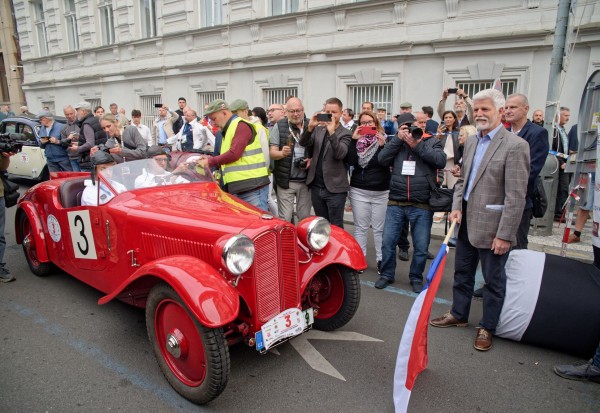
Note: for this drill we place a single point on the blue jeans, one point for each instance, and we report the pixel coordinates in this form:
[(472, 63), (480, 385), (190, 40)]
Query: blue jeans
[(75, 165), (58, 166), (2, 224), (420, 229), (258, 197)]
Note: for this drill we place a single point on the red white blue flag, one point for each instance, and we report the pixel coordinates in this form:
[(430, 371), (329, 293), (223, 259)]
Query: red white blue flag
[(497, 85), (412, 354)]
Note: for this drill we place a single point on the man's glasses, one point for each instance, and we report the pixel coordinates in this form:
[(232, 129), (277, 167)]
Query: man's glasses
[(295, 111), (274, 109)]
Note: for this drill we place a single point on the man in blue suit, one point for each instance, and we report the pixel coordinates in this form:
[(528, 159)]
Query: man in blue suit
[(516, 109)]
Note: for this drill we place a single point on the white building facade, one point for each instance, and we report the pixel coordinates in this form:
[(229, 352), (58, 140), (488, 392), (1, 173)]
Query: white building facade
[(141, 52)]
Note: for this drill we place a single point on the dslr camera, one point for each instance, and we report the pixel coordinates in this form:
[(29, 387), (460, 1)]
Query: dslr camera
[(416, 132), (104, 148), (9, 143), (300, 163)]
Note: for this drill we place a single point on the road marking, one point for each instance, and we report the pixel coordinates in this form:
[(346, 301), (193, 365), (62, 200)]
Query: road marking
[(406, 293), (163, 392), (316, 359)]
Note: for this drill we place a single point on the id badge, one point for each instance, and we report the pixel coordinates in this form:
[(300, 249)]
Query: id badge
[(408, 167)]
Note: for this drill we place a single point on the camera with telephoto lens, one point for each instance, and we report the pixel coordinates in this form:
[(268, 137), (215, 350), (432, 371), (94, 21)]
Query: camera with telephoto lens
[(10, 142), (300, 163), (104, 148), (416, 132)]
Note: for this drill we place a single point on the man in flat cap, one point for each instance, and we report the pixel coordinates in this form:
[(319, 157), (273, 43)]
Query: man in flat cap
[(241, 159), (57, 157)]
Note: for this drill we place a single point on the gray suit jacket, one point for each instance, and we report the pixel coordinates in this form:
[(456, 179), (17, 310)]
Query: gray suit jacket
[(497, 198), (334, 155)]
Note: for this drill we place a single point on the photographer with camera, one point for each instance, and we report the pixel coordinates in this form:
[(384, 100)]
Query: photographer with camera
[(91, 134), (5, 275), (369, 182), (69, 134), (412, 159), (463, 106), (290, 163)]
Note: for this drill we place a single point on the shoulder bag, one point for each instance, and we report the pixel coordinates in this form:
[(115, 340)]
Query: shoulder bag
[(11, 191)]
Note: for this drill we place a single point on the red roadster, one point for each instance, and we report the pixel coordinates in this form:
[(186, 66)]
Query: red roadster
[(209, 269)]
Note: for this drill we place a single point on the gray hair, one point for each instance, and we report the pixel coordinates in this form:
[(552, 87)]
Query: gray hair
[(521, 96), (494, 95)]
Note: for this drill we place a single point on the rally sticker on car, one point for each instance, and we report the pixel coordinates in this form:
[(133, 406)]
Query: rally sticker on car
[(23, 157), (53, 228), (82, 236), (288, 323)]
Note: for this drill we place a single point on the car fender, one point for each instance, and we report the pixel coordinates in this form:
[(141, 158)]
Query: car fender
[(37, 228), (212, 300), (342, 249)]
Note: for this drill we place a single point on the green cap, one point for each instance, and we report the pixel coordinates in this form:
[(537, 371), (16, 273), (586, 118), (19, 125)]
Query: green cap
[(238, 104), (406, 105), (215, 106)]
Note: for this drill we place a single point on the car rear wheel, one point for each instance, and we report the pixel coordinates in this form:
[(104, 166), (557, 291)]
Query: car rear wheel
[(193, 358), (30, 248), (336, 291)]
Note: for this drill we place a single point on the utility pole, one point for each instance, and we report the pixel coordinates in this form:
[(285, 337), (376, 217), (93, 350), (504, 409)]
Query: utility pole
[(549, 174)]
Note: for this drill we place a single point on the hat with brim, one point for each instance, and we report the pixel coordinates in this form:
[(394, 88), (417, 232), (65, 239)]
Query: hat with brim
[(101, 158), (216, 106), (45, 114), (83, 105), (155, 150), (406, 119), (405, 105), (238, 104)]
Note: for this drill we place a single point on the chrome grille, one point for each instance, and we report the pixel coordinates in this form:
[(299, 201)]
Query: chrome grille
[(276, 272)]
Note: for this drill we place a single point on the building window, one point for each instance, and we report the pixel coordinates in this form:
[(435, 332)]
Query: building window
[(509, 86), (48, 105), (149, 109), (279, 7), (380, 95), (204, 98), (148, 15), (71, 19), (94, 103), (278, 96), (211, 12), (107, 22), (40, 27)]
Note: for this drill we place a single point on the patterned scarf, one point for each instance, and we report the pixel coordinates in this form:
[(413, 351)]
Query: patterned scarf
[(366, 147)]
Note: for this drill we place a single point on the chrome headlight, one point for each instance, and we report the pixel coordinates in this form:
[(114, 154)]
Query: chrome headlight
[(238, 254), (318, 233)]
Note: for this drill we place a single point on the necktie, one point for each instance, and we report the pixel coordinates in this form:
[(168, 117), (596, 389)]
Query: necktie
[(564, 139)]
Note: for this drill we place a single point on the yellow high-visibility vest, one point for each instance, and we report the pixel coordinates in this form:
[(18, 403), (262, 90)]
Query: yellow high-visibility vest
[(251, 164)]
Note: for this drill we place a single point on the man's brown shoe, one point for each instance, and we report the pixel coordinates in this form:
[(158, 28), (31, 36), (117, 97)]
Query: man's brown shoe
[(573, 239), (448, 320), (483, 341)]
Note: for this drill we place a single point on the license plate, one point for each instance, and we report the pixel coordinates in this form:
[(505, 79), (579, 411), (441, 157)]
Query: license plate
[(288, 323)]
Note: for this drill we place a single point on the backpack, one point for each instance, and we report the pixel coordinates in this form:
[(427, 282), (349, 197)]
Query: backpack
[(540, 201)]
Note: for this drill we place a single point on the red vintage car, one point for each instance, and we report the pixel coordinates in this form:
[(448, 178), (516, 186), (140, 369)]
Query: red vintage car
[(209, 269)]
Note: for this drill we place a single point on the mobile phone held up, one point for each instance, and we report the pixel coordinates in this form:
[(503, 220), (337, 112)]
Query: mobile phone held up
[(324, 117), (367, 130), (158, 105), (452, 89)]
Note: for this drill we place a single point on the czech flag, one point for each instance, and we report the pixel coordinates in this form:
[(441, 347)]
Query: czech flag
[(412, 354)]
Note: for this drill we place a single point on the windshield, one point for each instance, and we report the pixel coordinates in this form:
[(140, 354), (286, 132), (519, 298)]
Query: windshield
[(157, 171)]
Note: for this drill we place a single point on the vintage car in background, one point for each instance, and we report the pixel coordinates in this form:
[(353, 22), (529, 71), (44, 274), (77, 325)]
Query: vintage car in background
[(30, 163), (209, 269)]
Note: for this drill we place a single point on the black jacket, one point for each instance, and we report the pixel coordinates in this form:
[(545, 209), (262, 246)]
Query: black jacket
[(428, 154), (374, 177)]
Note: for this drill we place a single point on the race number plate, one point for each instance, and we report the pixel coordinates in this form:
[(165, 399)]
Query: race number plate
[(289, 323)]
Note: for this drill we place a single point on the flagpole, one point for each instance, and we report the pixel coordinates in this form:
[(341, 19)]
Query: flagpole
[(450, 232)]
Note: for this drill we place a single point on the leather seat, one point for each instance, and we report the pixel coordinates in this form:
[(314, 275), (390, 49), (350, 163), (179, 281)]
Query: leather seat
[(69, 193)]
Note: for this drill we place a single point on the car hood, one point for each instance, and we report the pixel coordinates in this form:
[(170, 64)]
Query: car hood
[(196, 205)]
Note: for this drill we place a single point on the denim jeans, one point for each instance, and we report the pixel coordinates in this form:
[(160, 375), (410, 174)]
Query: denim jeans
[(2, 225), (258, 197), (64, 165), (329, 205), (420, 229), (75, 165), (596, 359)]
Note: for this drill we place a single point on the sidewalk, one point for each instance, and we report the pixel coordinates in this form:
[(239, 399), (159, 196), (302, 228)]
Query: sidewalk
[(551, 244)]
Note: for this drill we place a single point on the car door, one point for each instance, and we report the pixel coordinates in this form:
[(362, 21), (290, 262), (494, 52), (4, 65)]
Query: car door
[(30, 162)]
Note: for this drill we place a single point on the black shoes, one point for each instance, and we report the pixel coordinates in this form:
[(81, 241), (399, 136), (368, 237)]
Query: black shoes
[(417, 286), (378, 267), (430, 256), (403, 255), (582, 371), (5, 275), (382, 283)]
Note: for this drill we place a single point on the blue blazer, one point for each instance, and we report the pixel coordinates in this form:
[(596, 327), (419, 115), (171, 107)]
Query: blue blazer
[(54, 152), (537, 138)]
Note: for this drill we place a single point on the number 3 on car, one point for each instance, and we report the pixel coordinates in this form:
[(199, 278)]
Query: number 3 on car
[(82, 237)]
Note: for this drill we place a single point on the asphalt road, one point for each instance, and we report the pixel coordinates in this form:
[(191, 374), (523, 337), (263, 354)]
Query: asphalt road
[(62, 352)]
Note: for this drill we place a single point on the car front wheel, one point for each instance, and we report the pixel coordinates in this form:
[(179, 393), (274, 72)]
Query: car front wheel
[(30, 248), (193, 358), (335, 291)]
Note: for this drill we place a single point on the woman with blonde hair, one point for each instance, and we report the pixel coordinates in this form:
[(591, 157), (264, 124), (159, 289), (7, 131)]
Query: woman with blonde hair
[(125, 143)]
